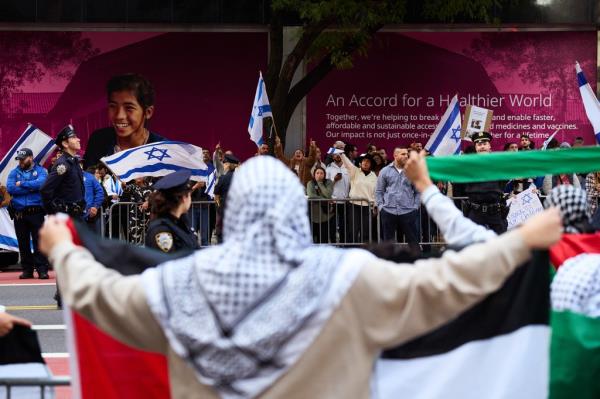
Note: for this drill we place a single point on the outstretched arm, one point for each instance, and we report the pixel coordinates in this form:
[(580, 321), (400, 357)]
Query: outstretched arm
[(458, 230)]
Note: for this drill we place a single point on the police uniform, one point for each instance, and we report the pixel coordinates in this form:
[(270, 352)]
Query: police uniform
[(168, 233), (28, 214), (485, 204), (64, 189)]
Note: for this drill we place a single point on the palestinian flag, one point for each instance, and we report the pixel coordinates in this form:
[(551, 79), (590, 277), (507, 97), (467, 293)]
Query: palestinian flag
[(571, 245), (102, 367), (575, 320), (496, 349)]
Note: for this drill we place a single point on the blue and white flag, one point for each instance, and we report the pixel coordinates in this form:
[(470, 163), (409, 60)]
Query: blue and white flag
[(157, 159), (260, 109), (33, 138), (333, 150), (8, 237), (210, 183), (590, 102), (548, 140), (445, 139)]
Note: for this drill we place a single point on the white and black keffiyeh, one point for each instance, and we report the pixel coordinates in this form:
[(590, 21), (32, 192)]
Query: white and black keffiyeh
[(576, 286), (572, 203), (243, 312)]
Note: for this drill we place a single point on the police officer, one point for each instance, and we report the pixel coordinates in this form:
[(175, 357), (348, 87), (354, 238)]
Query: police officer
[(64, 189), (24, 183), (168, 229), (486, 205)]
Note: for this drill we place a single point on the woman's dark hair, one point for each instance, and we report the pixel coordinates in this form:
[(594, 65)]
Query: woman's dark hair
[(163, 202), (349, 148), (141, 88), (507, 145), (314, 179)]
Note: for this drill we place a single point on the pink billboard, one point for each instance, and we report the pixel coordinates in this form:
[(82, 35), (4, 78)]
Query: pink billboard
[(204, 82), (397, 94)]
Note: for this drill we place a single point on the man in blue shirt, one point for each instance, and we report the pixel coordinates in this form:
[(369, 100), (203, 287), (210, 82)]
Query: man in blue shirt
[(24, 183), (398, 202), (94, 197)]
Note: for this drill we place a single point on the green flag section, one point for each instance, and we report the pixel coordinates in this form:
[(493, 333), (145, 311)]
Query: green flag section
[(575, 354), (509, 165)]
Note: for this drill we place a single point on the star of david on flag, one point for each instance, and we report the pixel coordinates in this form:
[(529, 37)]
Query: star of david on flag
[(445, 139), (158, 159), (260, 110), (162, 153)]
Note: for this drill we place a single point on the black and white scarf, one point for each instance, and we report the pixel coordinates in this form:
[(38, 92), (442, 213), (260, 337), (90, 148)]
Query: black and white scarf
[(243, 312)]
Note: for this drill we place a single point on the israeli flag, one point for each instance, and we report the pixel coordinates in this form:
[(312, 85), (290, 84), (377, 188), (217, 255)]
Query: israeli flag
[(260, 109), (8, 237), (445, 139), (548, 140), (33, 138), (590, 102), (210, 183), (333, 150), (156, 160)]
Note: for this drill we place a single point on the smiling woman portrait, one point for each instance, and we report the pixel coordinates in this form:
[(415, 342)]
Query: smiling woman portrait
[(130, 107)]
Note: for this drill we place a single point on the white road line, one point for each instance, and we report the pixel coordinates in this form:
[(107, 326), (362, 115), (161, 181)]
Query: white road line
[(25, 285), (49, 327), (55, 354)]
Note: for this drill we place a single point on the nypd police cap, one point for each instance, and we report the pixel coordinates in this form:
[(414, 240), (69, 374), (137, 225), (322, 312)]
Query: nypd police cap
[(174, 182), (481, 136), (231, 159), (66, 133)]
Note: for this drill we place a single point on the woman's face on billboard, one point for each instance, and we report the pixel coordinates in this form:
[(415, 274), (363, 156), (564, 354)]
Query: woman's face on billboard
[(126, 114)]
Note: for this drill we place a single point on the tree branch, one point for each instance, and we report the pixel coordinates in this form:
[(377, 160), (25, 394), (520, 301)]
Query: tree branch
[(315, 75), (275, 53), (311, 32)]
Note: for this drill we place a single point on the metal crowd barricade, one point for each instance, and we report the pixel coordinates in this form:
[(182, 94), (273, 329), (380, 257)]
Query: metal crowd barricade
[(9, 383), (127, 221), (342, 222)]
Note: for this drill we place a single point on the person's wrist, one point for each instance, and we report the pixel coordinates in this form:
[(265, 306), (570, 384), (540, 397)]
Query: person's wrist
[(423, 184)]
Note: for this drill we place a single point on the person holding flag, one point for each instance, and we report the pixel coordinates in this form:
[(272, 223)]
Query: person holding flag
[(24, 184), (277, 307)]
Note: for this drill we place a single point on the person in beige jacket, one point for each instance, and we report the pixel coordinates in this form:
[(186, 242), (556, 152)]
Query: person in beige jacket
[(267, 314)]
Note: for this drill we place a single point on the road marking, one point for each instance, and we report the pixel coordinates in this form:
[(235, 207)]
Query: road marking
[(49, 327), (31, 307), (25, 284), (55, 354)]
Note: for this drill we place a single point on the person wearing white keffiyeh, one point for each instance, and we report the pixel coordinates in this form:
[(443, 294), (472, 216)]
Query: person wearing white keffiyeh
[(269, 315)]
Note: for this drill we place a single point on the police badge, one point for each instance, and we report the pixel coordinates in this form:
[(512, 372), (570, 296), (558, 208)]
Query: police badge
[(164, 241), (61, 169)]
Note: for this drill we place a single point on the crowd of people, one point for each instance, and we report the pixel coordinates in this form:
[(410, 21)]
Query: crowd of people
[(266, 299)]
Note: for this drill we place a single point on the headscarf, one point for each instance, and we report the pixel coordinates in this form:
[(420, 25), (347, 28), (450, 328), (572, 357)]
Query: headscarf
[(233, 311), (572, 203), (576, 286)]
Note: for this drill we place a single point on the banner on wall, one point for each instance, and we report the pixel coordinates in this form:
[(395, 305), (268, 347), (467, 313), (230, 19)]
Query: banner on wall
[(397, 94), (198, 80)]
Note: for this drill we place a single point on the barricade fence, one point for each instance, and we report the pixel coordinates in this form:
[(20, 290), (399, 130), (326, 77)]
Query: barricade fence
[(341, 222), (20, 387)]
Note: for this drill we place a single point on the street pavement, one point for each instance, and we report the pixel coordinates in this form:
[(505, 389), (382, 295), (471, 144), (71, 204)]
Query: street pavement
[(33, 299)]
